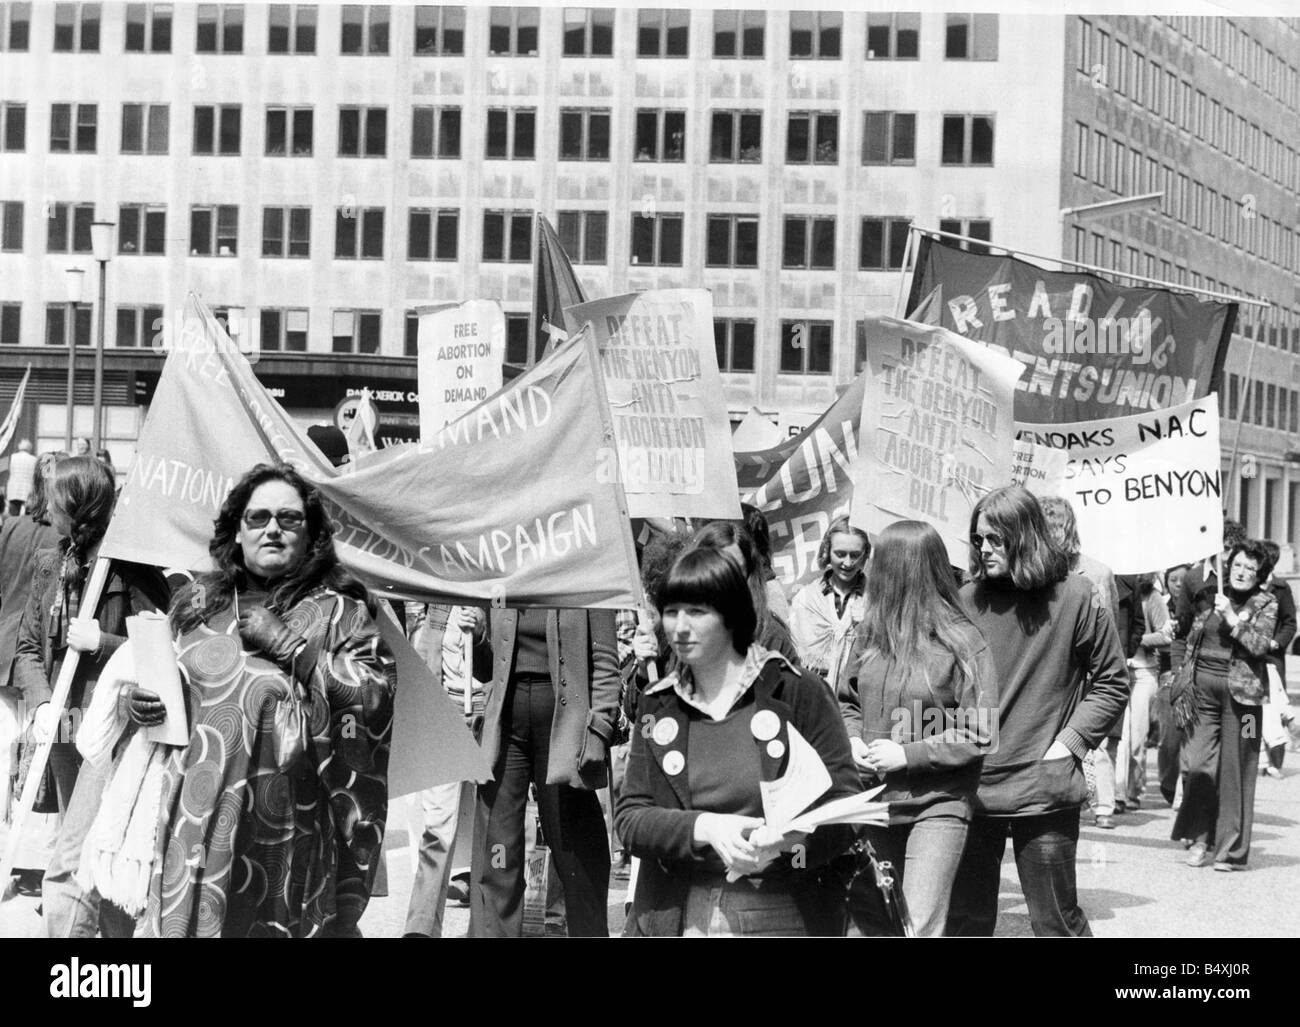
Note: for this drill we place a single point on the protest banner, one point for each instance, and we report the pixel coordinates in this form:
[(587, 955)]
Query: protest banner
[(10, 422), (936, 430), (1147, 490), (754, 432), (1094, 349), (555, 288), (803, 484), (461, 350), (660, 366), (1038, 468)]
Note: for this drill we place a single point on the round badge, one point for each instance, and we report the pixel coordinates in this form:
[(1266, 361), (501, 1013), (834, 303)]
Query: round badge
[(674, 763), (776, 748), (665, 731), (765, 725)]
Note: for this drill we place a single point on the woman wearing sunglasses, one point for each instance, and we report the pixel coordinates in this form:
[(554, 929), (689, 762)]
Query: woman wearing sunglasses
[(272, 817), (1047, 638)]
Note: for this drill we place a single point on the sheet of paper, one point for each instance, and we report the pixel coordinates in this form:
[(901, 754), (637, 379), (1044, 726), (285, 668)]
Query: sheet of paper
[(805, 780), (156, 670)]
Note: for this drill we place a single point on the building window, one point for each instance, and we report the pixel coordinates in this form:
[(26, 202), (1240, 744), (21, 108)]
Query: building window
[(136, 327), (355, 331), (512, 133), (216, 130), (432, 235), (288, 131), (365, 29), (737, 137), (512, 32), (63, 116), (731, 240), (815, 35), (149, 28), (812, 138), (144, 127), (76, 28), (517, 339), (220, 29), (883, 244), (292, 29), (15, 30), (439, 31), (588, 32), (662, 33), (411, 342), (584, 234), (435, 132), (10, 323), (806, 347), (286, 231), (734, 339), (13, 127), (68, 228), (968, 139), (363, 131), (889, 137), (359, 234), (214, 231), (893, 37), (284, 330), (974, 37), (977, 228), (56, 324), (11, 226), (584, 134), (738, 33), (508, 236), (660, 135), (809, 243), (657, 241)]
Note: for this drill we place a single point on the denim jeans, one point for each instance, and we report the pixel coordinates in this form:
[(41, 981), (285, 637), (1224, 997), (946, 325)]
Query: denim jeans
[(717, 909), (1131, 759), (442, 806), (1045, 846), (925, 854), (71, 912), (1103, 771)]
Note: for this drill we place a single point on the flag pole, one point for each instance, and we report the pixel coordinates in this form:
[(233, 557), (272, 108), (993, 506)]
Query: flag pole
[(899, 310), (1234, 490), (89, 600)]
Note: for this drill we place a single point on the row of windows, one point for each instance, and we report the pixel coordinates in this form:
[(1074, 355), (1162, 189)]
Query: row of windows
[(1263, 404), (806, 347), (1112, 63), (1235, 220), (731, 240), (512, 31), (1233, 47), (812, 137)]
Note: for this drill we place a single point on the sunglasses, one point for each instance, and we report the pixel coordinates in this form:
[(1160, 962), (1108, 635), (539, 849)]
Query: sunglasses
[(992, 538), (288, 520)]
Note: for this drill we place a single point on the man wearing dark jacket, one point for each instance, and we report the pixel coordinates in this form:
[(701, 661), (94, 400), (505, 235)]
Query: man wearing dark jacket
[(1062, 681)]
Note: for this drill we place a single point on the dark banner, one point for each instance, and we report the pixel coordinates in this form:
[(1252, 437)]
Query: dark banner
[(1093, 349)]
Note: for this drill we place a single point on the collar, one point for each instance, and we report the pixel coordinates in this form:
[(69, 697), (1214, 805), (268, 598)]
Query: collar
[(855, 590), (682, 682)]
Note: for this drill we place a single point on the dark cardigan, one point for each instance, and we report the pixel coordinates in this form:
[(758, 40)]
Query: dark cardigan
[(656, 821)]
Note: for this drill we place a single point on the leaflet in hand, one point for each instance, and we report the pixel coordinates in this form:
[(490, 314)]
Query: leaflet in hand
[(156, 670)]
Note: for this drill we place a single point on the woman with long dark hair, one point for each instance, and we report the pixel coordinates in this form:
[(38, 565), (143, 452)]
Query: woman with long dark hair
[(81, 495), (919, 700), (1229, 642), (1048, 638), (707, 737), (271, 819), (826, 612)]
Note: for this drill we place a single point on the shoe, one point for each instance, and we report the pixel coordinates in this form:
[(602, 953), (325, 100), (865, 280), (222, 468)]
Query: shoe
[(1221, 865), (1185, 842), (1198, 857), (1104, 822), (1271, 771), (1133, 804), (28, 884), (458, 890), (1120, 807)]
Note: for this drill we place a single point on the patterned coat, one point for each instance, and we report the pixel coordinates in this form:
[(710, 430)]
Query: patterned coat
[(1249, 642), (273, 816)]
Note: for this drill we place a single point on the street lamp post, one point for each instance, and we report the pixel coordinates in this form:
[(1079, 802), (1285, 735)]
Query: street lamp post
[(101, 243), (74, 279)]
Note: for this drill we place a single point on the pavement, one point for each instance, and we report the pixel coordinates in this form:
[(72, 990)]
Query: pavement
[(1133, 882)]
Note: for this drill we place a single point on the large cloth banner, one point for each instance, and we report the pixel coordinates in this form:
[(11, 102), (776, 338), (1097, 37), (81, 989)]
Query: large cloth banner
[(1040, 469), (10, 422), (1147, 490), (803, 484), (1094, 349), (506, 506), (937, 431), (673, 434), (460, 356)]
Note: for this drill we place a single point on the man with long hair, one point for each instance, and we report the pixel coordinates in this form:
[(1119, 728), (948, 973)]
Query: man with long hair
[(1048, 640)]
